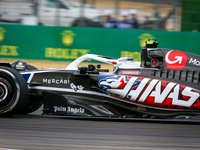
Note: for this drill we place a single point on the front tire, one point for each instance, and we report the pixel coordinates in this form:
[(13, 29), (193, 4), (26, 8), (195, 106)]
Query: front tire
[(13, 92)]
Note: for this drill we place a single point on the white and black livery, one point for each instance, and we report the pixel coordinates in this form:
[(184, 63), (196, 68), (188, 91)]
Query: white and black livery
[(164, 84)]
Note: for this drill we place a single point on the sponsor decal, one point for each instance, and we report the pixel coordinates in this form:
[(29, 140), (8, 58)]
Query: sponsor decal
[(2, 31), (68, 37), (131, 72), (154, 62), (60, 109), (176, 59), (75, 110), (76, 87), (151, 92), (56, 81), (65, 53), (7, 50), (194, 62)]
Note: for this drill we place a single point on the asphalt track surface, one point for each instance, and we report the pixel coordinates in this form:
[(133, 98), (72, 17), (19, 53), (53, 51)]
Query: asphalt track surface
[(34, 132)]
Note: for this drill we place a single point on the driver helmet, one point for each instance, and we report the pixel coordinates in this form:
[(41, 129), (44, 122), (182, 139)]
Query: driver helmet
[(126, 60)]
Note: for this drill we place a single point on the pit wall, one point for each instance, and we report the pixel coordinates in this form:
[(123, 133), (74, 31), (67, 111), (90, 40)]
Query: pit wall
[(69, 43)]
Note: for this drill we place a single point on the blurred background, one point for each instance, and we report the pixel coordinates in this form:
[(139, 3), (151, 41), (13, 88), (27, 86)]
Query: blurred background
[(64, 30), (169, 15)]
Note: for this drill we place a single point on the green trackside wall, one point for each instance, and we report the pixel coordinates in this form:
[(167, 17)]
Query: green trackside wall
[(69, 43), (190, 16)]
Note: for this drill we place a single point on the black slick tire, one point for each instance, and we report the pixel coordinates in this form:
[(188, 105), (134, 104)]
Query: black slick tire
[(13, 92)]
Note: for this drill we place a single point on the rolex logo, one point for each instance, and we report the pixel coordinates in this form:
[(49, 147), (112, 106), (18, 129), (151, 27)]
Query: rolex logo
[(68, 37), (2, 30), (144, 37)]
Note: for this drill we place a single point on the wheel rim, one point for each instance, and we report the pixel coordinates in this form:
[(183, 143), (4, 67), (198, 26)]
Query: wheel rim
[(9, 92), (3, 91)]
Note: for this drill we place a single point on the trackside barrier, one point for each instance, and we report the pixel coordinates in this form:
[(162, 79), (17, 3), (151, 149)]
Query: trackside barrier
[(69, 43)]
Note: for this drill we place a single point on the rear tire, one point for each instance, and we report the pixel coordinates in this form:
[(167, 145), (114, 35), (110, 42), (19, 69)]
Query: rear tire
[(13, 92)]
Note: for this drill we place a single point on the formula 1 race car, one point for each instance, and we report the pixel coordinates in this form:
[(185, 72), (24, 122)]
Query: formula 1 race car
[(165, 84)]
